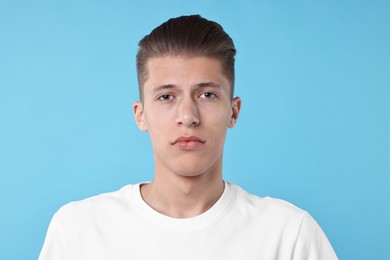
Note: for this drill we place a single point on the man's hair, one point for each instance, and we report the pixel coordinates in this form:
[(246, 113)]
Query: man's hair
[(187, 36)]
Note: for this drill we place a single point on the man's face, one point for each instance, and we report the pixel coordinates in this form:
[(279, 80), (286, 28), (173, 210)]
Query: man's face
[(186, 109)]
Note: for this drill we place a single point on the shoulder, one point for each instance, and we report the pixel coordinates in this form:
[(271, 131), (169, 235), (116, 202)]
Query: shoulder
[(275, 209), (99, 205), (283, 220), (267, 202)]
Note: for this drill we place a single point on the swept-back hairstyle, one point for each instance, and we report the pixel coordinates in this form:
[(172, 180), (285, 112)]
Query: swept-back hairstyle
[(187, 36)]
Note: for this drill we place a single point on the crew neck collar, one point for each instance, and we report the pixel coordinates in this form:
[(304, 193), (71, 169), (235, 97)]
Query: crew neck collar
[(184, 224)]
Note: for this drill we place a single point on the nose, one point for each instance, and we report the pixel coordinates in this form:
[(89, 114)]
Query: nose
[(187, 113)]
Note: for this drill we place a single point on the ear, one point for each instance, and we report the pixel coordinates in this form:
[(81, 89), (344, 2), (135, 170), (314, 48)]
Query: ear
[(236, 106), (138, 111)]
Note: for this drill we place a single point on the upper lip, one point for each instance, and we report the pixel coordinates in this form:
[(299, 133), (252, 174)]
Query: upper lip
[(188, 139)]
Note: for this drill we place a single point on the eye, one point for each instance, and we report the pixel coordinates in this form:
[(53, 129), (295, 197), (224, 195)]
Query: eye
[(208, 95), (165, 97)]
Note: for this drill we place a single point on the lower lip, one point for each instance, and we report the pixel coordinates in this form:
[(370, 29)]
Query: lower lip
[(188, 145)]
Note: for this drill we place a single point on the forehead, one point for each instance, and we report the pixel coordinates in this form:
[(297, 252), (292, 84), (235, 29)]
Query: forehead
[(179, 70)]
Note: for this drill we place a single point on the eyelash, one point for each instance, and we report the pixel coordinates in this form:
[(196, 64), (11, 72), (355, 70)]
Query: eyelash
[(167, 97), (213, 96)]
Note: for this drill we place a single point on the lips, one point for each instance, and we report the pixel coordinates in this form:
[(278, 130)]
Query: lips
[(188, 143)]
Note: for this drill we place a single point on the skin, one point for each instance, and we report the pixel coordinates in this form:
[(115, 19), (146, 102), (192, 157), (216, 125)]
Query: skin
[(185, 97)]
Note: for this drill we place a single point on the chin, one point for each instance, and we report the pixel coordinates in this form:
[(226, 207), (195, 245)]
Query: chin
[(187, 173), (191, 166), (193, 170)]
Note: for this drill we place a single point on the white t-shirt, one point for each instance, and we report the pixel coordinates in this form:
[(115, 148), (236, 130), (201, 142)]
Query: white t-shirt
[(240, 226)]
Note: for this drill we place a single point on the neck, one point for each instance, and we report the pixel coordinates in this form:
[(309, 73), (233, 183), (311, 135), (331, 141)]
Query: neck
[(182, 196)]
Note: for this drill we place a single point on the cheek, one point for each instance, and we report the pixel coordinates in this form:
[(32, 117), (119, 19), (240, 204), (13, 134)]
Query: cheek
[(222, 117), (218, 123), (158, 120)]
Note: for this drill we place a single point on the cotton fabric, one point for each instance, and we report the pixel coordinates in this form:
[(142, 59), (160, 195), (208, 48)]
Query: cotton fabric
[(120, 225)]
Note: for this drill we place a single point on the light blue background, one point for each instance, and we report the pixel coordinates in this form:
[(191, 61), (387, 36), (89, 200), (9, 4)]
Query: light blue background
[(314, 127)]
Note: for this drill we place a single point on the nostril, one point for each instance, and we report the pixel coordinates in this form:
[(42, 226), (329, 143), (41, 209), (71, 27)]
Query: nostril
[(188, 120)]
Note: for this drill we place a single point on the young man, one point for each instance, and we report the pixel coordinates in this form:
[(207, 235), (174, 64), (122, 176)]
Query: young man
[(186, 82)]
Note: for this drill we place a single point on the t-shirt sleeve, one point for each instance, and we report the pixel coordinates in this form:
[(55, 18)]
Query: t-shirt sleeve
[(54, 246), (312, 243)]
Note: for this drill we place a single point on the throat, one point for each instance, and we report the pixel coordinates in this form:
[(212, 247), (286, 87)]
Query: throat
[(182, 200)]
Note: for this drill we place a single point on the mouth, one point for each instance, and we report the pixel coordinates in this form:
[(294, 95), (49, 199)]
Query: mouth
[(188, 143)]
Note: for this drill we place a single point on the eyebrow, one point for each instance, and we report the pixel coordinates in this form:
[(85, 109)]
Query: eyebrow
[(202, 85), (164, 87), (208, 84)]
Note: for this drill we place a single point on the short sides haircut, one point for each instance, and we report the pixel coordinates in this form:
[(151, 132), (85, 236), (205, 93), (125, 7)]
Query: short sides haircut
[(187, 36)]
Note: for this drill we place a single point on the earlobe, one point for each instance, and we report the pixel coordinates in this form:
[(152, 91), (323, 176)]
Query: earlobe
[(139, 116), (236, 107)]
